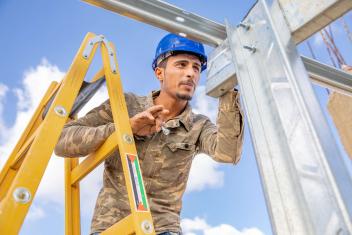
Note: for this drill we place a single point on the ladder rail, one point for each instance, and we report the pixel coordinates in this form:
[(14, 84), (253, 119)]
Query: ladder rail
[(72, 199), (8, 172)]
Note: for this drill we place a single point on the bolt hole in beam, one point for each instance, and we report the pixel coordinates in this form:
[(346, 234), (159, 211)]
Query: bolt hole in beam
[(180, 19)]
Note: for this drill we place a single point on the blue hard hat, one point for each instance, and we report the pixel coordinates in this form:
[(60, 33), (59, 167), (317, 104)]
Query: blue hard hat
[(172, 44)]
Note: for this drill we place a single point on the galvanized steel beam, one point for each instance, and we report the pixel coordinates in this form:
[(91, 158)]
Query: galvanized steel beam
[(303, 17), (221, 73), (306, 183), (307, 17), (328, 76), (168, 17)]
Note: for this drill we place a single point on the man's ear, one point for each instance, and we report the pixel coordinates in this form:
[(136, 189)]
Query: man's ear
[(159, 73)]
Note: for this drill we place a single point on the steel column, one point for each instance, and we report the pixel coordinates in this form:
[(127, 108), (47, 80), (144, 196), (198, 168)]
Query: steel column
[(307, 186)]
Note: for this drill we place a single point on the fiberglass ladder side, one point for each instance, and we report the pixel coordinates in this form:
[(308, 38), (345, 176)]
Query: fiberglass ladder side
[(22, 173)]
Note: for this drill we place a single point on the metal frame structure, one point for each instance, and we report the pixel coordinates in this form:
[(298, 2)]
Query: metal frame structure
[(307, 187), (303, 18), (305, 181)]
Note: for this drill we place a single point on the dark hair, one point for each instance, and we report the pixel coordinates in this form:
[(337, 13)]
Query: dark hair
[(163, 63)]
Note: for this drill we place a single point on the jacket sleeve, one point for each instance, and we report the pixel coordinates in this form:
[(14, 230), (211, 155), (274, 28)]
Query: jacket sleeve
[(84, 135), (223, 141)]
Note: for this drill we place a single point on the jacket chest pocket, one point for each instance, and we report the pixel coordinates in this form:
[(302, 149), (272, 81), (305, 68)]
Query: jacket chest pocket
[(187, 147), (178, 160)]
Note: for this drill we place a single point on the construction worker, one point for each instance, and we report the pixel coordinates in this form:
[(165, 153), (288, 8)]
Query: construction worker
[(167, 137)]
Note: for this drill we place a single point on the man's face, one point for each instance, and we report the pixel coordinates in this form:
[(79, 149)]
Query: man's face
[(180, 76)]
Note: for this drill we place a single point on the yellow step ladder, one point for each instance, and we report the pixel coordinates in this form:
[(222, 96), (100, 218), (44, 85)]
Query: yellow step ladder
[(24, 169)]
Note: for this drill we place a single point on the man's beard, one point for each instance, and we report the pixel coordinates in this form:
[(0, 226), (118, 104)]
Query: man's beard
[(183, 97)]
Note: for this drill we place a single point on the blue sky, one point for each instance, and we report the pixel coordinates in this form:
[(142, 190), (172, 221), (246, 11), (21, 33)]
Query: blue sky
[(38, 42)]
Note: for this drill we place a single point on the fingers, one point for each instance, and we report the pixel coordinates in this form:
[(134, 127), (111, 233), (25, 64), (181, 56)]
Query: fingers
[(158, 110), (158, 123), (162, 114), (165, 112), (160, 119), (153, 129), (146, 116), (149, 121), (154, 110)]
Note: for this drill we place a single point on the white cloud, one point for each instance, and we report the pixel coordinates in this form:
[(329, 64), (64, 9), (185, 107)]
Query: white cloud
[(204, 104), (34, 84), (317, 40), (225, 229), (35, 213), (204, 174), (3, 91), (196, 224), (51, 189), (199, 226)]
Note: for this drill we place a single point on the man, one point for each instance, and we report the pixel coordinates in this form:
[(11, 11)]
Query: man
[(165, 156)]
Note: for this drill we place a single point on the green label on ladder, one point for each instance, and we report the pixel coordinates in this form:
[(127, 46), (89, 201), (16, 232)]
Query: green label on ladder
[(137, 184)]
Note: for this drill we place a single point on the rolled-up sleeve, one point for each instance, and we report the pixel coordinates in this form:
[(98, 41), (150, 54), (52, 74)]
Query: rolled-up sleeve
[(223, 141), (84, 135)]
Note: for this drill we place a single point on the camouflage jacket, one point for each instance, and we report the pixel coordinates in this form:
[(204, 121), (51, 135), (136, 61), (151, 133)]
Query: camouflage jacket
[(165, 160)]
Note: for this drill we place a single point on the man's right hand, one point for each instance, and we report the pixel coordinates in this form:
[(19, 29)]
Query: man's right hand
[(149, 121)]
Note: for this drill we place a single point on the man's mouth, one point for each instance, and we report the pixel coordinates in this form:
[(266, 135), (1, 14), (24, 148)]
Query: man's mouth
[(188, 84)]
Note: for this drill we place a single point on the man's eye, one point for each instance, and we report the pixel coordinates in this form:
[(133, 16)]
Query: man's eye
[(182, 64)]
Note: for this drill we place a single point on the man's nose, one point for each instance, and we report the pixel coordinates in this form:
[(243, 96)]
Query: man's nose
[(190, 72)]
